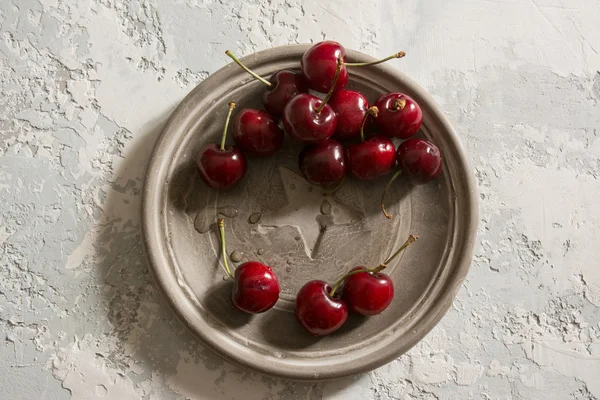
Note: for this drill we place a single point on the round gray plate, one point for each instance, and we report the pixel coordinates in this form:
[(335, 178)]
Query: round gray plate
[(302, 234)]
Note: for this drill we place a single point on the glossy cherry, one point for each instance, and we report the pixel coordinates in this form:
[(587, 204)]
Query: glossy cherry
[(319, 312), (368, 291), (319, 63), (420, 160), (220, 166), (282, 86), (350, 107), (309, 119), (257, 133), (255, 286), (323, 163), (373, 157), (399, 115)]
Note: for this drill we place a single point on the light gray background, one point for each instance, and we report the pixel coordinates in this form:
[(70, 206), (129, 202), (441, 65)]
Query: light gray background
[(85, 88)]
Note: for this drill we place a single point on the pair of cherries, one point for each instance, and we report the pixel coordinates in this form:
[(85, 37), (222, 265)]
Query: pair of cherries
[(321, 310)]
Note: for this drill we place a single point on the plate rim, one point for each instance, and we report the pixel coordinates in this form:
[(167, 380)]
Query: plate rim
[(151, 214)]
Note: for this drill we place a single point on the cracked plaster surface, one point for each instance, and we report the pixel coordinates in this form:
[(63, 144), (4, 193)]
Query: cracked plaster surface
[(87, 84)]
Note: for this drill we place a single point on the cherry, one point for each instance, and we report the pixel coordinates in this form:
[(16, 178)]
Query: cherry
[(323, 163), (318, 311), (399, 115), (319, 65), (350, 107), (420, 159), (282, 86), (368, 291), (256, 132), (309, 119), (255, 286), (221, 167), (373, 157)]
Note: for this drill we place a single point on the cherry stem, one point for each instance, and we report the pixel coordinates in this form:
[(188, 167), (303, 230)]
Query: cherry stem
[(335, 189), (396, 175), (221, 224), (248, 70), (400, 54), (340, 64), (399, 104), (374, 111), (224, 137), (411, 239)]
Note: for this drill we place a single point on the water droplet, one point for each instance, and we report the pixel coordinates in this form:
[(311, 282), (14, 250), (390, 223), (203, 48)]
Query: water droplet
[(325, 207), (254, 217), (290, 261), (236, 256), (292, 186), (260, 252), (336, 210), (310, 189), (202, 222), (297, 238), (228, 211)]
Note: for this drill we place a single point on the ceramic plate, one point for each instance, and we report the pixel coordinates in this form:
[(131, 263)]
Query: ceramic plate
[(276, 217)]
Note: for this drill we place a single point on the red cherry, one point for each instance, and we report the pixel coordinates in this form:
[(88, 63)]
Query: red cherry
[(282, 86), (318, 65), (373, 157), (323, 163), (255, 287), (420, 159), (286, 85), (257, 132), (367, 293), (302, 121), (318, 312), (221, 167), (350, 107), (399, 115)]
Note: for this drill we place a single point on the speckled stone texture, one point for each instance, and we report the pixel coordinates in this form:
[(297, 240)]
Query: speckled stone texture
[(86, 86)]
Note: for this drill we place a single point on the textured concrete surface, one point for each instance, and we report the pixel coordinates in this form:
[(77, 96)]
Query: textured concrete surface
[(87, 84)]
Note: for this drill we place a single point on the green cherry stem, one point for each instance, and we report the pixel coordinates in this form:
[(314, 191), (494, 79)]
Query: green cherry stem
[(397, 55), (224, 137), (340, 64), (248, 70), (374, 111), (411, 239), (394, 177), (221, 224)]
